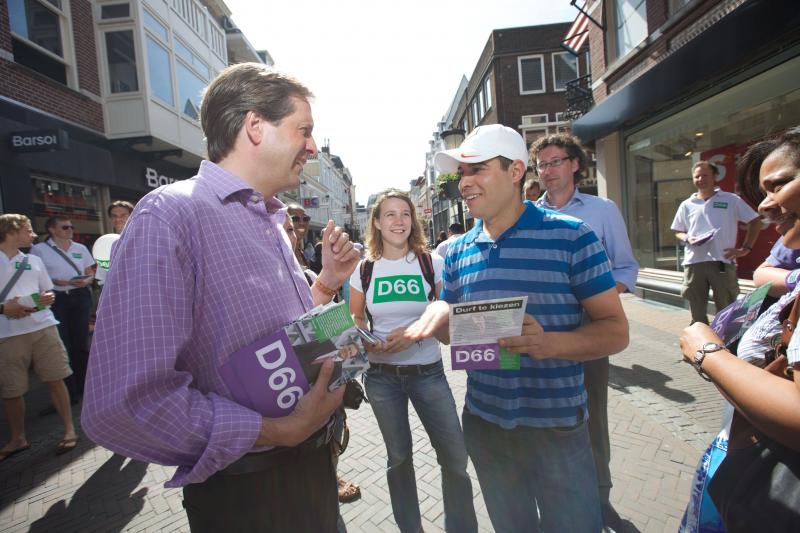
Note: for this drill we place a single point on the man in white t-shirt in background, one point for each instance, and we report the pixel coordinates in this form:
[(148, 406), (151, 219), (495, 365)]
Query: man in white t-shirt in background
[(28, 336), (71, 267), (707, 223), (454, 231)]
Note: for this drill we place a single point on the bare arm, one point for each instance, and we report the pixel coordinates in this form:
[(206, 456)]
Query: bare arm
[(766, 273), (606, 334), (339, 259), (753, 229), (771, 403)]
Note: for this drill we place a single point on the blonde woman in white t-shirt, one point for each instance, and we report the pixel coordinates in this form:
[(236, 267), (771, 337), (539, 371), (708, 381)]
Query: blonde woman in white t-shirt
[(402, 370)]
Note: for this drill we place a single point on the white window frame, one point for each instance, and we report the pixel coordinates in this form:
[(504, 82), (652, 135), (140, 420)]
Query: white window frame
[(106, 89), (67, 43), (487, 91), (520, 59), (553, 69)]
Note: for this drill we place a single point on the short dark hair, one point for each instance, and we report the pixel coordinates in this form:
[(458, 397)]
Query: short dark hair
[(120, 203), (237, 90), (456, 227), (711, 166), (54, 220), (505, 163), (570, 144)]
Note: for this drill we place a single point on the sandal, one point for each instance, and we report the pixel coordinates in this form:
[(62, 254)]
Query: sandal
[(66, 445), (348, 491)]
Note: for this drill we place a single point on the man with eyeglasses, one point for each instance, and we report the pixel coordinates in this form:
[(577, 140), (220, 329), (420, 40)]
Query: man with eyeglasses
[(561, 164), (71, 267)]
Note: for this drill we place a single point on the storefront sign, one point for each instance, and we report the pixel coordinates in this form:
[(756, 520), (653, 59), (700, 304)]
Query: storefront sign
[(39, 140), (155, 180)]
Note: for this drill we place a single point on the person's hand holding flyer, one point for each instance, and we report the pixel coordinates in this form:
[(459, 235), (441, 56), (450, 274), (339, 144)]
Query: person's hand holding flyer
[(475, 328)]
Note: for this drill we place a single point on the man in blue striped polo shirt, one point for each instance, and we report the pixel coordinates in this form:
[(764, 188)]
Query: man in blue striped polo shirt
[(525, 429)]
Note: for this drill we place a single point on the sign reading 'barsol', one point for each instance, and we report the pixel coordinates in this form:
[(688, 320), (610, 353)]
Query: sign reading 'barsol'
[(39, 140)]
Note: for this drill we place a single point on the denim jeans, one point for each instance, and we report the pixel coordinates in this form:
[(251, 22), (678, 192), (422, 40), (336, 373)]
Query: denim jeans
[(430, 394), (523, 467)]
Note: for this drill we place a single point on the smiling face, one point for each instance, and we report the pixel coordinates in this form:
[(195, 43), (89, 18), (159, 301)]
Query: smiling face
[(704, 178), (285, 147), (780, 179), (394, 222), (119, 217), (557, 180), (488, 189), (299, 220)]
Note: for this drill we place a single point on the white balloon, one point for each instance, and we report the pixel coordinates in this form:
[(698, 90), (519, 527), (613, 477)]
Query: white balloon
[(101, 251)]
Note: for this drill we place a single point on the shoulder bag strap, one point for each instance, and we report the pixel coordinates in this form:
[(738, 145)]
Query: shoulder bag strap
[(13, 279), (426, 265), (366, 279), (66, 258)]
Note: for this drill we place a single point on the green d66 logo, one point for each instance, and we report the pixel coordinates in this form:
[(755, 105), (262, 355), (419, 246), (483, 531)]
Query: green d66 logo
[(399, 289)]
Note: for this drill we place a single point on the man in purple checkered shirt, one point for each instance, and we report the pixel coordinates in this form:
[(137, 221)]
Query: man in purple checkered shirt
[(204, 268)]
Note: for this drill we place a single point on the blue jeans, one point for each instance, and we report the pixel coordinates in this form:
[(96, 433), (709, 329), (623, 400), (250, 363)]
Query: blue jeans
[(430, 394), (523, 467)]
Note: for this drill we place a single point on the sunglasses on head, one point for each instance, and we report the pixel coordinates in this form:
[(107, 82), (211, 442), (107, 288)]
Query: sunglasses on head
[(297, 218), (66, 227)]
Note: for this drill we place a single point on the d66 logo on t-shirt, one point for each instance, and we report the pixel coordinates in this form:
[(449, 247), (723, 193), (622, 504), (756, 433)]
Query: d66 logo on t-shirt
[(399, 289)]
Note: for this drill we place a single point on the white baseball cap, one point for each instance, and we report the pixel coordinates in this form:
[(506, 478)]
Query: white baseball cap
[(482, 144)]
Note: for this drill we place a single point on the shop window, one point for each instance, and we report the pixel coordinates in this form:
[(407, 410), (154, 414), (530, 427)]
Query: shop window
[(37, 29), (121, 61), (630, 25), (531, 74), (565, 68), (190, 90), (659, 161), (79, 202), (159, 70)]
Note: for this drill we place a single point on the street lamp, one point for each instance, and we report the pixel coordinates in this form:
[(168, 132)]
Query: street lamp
[(453, 137)]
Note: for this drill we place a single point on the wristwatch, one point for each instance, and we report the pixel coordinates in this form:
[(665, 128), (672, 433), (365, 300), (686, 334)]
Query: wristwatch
[(700, 355)]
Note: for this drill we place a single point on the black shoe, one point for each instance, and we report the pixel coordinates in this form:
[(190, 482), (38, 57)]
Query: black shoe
[(611, 518)]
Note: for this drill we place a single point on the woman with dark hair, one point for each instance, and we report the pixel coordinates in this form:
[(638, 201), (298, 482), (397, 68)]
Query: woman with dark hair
[(392, 287), (769, 402)]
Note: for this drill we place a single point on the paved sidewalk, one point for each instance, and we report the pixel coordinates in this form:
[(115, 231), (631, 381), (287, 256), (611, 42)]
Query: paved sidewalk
[(661, 416)]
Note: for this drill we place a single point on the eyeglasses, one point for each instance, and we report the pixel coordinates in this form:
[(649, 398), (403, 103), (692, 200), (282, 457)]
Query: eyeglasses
[(555, 162), (296, 218), (65, 227)]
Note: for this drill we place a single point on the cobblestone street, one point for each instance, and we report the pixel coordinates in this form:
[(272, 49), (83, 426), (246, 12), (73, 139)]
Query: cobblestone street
[(661, 415)]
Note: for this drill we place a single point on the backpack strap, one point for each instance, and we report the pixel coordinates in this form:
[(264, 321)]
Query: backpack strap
[(426, 265), (366, 278)]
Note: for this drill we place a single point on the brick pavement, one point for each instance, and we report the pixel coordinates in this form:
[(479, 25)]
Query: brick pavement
[(661, 416)]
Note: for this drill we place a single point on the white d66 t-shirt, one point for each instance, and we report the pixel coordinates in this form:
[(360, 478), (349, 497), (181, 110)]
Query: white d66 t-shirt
[(397, 297)]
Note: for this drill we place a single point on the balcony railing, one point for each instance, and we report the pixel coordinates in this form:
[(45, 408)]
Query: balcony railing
[(579, 97)]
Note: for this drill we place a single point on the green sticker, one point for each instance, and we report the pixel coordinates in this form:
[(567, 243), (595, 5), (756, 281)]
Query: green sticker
[(508, 361), (19, 264), (77, 255), (104, 263), (332, 322), (721, 205), (399, 289)]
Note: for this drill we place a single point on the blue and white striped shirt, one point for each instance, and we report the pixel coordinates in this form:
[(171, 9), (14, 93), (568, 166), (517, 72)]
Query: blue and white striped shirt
[(557, 261)]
